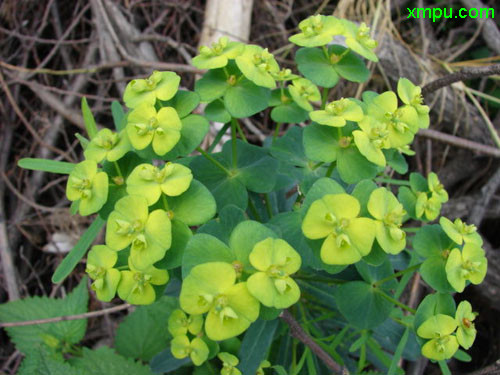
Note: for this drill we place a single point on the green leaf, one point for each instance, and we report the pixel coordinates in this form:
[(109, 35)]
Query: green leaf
[(316, 67), (223, 225), (143, 333), (354, 167), (255, 344), (26, 338), (166, 363), (212, 85), (194, 129), (246, 99), (118, 115), (289, 113), (321, 143), (181, 234), (396, 160), (434, 273), (462, 356), (216, 111), (104, 361), (83, 141), (88, 119), (42, 361), (408, 200), (289, 147), (350, 67), (320, 188), (433, 304), (418, 182), (393, 369), (245, 236), (372, 274), (184, 102), (193, 207), (46, 165), (70, 261), (362, 305), (362, 192), (431, 240), (204, 248)]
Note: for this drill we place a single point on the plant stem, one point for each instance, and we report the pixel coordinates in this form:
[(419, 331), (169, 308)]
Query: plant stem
[(240, 131), (397, 274), (330, 169), (392, 181), (324, 97), (165, 203), (218, 137), (325, 51), (412, 229), (276, 131), (396, 302), (213, 161), (118, 170), (316, 166), (268, 206), (253, 210), (233, 142)]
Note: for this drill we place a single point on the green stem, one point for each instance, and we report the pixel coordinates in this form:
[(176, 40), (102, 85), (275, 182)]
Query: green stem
[(240, 131), (213, 161), (397, 274), (330, 169), (253, 210), (392, 181), (118, 170), (316, 166), (276, 131), (268, 206), (412, 229), (396, 302), (225, 71), (165, 203), (233, 142), (325, 51), (218, 137), (324, 97)]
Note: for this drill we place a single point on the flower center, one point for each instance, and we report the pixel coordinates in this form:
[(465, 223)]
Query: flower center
[(345, 142), (222, 309), (337, 107), (83, 185)]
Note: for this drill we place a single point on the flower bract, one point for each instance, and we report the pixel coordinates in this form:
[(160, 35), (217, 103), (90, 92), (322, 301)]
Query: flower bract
[(211, 288), (161, 129), (317, 31), (150, 181), (304, 91), (337, 113), (149, 234), (88, 186), (411, 95), (257, 64), (218, 55), (348, 237), (196, 349), (466, 331), (460, 232), (159, 85), (275, 260), (436, 188), (100, 262), (442, 344), (107, 145), (229, 363), (136, 286), (427, 207), (358, 39), (180, 324), (468, 264)]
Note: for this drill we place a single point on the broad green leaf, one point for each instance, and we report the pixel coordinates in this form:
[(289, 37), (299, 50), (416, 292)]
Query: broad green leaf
[(433, 304), (118, 115), (362, 192), (245, 99), (143, 333), (321, 143), (350, 67), (289, 113), (372, 274), (181, 234), (194, 129), (28, 337), (434, 273), (408, 200), (88, 119), (83, 141), (166, 363), (204, 248), (289, 147), (184, 102), (316, 67), (52, 166), (44, 361), (431, 240), (320, 188), (255, 344), (212, 85), (215, 111), (223, 225), (193, 207), (70, 261), (354, 167), (418, 182), (396, 160), (362, 305), (104, 361)]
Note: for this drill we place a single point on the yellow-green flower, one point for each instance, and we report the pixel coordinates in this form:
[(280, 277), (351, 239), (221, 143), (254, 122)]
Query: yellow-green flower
[(412, 95), (303, 92), (337, 113), (257, 64), (150, 181), (218, 55), (317, 31), (275, 260), (211, 288), (136, 285), (436, 188), (149, 234), (264, 364), (358, 39), (196, 349), (88, 186), (159, 85), (107, 145), (389, 213), (371, 139), (460, 232), (348, 237), (442, 344), (428, 207), (180, 324), (229, 363), (100, 262), (468, 264), (466, 332), (162, 129)]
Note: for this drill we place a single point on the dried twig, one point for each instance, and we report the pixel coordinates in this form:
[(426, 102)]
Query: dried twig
[(65, 318)]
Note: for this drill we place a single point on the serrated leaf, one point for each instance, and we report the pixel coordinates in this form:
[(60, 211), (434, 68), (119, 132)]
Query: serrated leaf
[(28, 337), (88, 119), (144, 333), (46, 165), (43, 361), (104, 361), (70, 261), (255, 344)]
